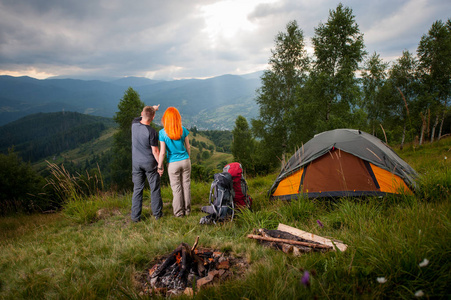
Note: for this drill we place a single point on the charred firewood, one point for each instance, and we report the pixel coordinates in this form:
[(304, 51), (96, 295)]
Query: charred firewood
[(286, 248), (187, 266), (294, 242), (170, 260)]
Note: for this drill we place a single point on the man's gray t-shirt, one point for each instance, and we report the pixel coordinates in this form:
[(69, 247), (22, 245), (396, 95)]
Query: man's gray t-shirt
[(143, 138)]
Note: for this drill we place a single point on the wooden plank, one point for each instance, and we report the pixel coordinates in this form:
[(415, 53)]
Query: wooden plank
[(270, 239), (312, 237)]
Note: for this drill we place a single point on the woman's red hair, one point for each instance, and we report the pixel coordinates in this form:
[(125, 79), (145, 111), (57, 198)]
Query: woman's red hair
[(172, 122)]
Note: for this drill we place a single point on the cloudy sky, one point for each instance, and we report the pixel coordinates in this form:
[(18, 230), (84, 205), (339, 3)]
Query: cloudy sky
[(174, 39)]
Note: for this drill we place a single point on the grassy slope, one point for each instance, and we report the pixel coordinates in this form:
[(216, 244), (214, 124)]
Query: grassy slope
[(81, 254), (105, 142), (216, 158)]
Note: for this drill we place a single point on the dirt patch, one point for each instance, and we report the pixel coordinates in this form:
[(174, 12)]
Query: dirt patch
[(105, 213)]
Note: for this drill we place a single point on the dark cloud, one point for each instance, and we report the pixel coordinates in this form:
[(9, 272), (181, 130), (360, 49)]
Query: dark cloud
[(164, 39)]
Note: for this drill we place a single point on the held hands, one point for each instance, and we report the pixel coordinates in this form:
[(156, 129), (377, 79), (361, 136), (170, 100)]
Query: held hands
[(160, 171)]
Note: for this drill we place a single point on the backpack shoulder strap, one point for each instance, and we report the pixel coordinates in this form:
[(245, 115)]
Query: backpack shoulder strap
[(213, 185)]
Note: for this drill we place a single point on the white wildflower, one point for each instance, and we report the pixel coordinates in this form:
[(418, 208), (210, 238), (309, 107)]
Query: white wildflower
[(381, 279), (419, 293), (446, 157), (424, 263)]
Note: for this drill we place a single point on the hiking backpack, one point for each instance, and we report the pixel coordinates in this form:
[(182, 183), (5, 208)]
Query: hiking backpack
[(241, 199), (220, 200)]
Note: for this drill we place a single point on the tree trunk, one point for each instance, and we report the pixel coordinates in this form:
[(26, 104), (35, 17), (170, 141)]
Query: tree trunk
[(403, 136), (441, 125), (385, 135), (423, 128), (433, 129), (328, 112), (284, 150)]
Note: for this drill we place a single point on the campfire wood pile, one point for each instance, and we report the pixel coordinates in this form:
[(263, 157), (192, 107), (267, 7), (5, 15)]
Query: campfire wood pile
[(295, 241), (187, 268)]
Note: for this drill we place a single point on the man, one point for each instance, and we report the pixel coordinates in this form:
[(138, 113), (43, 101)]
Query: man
[(145, 154)]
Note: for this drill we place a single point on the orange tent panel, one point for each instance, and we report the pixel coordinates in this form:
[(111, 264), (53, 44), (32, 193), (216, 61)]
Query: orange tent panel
[(289, 185), (389, 182)]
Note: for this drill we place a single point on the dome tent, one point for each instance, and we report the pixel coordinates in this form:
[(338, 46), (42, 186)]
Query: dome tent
[(344, 162)]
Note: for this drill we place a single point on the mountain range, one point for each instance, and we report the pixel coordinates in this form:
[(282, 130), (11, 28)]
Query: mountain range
[(212, 103)]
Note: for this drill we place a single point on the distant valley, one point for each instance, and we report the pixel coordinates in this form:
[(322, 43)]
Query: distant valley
[(207, 104)]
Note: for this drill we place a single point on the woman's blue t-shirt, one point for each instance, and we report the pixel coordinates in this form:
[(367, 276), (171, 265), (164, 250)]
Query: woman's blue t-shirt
[(175, 149)]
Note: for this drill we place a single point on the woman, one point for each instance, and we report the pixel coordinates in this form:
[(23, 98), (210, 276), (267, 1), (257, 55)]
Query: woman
[(174, 140)]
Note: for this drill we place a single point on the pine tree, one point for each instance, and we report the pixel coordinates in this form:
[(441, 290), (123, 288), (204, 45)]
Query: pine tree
[(130, 107), (243, 143)]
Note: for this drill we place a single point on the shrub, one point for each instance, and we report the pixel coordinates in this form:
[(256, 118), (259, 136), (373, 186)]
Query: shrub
[(21, 188)]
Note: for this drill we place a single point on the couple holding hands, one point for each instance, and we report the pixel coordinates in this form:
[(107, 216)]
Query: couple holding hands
[(148, 158)]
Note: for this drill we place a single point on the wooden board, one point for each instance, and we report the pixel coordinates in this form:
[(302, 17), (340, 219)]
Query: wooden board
[(310, 236)]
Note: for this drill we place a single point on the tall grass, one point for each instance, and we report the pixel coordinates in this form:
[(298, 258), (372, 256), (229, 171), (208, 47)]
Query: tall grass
[(398, 247), (83, 198), (73, 187)]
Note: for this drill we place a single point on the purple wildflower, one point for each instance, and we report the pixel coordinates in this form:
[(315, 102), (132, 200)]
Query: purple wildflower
[(305, 280), (319, 223)]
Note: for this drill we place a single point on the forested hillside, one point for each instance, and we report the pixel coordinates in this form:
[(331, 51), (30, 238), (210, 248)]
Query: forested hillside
[(221, 138), (212, 103), (46, 134)]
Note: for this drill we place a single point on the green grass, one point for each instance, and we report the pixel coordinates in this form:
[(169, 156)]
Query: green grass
[(91, 250)]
